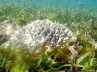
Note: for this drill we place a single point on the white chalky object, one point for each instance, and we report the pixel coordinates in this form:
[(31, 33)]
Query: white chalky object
[(40, 32)]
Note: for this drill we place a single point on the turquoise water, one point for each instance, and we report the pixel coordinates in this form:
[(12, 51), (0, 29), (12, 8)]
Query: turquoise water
[(81, 4)]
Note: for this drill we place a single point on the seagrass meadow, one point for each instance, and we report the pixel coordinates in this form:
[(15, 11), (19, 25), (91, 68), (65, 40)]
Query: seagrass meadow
[(78, 15)]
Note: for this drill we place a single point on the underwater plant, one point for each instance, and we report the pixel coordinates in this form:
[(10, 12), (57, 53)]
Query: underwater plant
[(81, 22)]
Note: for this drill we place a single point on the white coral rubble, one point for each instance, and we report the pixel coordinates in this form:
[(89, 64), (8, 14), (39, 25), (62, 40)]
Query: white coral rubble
[(40, 32), (7, 27)]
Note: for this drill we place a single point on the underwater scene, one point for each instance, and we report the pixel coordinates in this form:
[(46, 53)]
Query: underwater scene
[(48, 35)]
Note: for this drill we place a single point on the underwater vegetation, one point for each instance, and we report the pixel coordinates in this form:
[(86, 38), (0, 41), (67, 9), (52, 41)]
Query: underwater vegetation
[(83, 24)]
